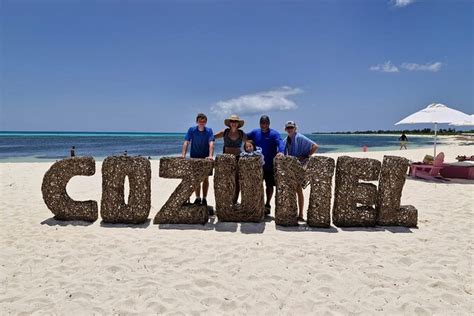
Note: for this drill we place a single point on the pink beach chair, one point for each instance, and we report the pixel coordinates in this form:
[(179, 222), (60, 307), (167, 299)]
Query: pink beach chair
[(428, 172)]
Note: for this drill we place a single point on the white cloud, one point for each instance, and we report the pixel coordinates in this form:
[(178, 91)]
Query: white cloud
[(261, 102), (385, 67), (434, 67), (402, 3)]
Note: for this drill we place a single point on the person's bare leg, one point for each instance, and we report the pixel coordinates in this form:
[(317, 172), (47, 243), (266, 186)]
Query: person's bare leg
[(205, 187), (269, 192), (299, 193), (197, 191), (237, 189)]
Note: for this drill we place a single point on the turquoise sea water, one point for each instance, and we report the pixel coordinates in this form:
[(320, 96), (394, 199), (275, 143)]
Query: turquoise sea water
[(51, 146)]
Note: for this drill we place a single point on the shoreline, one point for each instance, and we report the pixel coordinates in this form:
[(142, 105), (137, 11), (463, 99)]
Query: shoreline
[(52, 267), (447, 140)]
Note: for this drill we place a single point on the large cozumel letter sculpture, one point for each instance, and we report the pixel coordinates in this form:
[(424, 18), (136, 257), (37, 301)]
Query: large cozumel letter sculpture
[(357, 201)]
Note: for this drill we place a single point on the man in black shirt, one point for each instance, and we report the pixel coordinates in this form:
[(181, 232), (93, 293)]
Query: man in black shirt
[(403, 141)]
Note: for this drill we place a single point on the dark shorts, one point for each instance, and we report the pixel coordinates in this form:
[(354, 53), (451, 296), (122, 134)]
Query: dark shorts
[(269, 177)]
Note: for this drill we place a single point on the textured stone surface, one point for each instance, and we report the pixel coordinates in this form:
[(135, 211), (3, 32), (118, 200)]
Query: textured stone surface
[(252, 207), (251, 188), (366, 194), (391, 182), (289, 175), (113, 208), (349, 192), (406, 215), (54, 190), (176, 209), (224, 184), (320, 171)]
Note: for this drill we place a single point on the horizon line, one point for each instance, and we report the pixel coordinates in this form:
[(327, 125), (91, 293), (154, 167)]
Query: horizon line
[(183, 132)]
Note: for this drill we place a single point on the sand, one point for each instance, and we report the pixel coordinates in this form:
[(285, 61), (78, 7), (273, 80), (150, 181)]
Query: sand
[(51, 267)]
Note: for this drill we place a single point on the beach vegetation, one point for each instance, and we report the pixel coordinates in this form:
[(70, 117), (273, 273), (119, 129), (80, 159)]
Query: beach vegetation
[(424, 131)]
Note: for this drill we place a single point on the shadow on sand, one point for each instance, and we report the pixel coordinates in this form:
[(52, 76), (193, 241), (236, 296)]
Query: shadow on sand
[(54, 222), (245, 228), (306, 228), (118, 225), (392, 229), (213, 224)]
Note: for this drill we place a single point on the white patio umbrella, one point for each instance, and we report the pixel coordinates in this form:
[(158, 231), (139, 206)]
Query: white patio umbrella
[(469, 122), (435, 113)]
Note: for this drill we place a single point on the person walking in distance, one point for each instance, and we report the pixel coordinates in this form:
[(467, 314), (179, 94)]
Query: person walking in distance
[(403, 141)]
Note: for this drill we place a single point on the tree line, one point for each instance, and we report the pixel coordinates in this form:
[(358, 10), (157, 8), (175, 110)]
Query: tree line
[(424, 131)]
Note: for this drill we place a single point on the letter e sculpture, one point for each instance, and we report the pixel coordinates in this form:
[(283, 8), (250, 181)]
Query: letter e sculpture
[(350, 192)]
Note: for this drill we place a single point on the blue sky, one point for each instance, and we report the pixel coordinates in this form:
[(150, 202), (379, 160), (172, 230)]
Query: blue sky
[(152, 65)]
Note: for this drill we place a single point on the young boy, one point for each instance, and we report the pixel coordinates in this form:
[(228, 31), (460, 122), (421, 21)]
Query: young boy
[(202, 146)]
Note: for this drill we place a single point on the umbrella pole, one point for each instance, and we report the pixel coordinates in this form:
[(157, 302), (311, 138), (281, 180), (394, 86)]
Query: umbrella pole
[(436, 129)]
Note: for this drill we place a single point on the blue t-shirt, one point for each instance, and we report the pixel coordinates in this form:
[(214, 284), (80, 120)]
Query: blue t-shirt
[(199, 141), (270, 142), (300, 146)]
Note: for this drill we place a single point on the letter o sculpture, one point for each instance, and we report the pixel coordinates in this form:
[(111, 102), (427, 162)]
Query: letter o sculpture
[(113, 208)]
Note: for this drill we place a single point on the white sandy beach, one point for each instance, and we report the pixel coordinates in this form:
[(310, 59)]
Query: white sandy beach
[(51, 267)]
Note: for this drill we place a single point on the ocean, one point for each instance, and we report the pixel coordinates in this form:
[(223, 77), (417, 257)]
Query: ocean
[(51, 146)]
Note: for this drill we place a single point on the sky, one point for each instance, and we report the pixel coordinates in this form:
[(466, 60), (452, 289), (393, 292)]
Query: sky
[(151, 66)]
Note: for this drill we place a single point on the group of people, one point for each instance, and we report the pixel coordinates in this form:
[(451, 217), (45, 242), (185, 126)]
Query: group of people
[(264, 142)]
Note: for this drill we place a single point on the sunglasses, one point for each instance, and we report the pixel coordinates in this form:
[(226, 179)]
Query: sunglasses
[(290, 127), (233, 121)]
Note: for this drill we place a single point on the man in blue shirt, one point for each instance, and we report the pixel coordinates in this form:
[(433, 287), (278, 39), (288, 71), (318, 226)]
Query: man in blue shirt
[(271, 143), (201, 139), (301, 147)]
